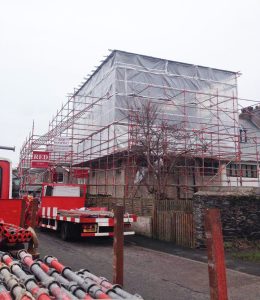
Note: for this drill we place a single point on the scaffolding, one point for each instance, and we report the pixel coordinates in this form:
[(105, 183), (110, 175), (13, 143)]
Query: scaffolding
[(99, 131)]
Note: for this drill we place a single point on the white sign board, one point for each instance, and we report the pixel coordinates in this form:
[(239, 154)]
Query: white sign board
[(66, 191)]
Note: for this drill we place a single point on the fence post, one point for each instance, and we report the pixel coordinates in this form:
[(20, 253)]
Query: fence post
[(22, 218), (154, 219), (216, 256), (118, 245), (34, 213)]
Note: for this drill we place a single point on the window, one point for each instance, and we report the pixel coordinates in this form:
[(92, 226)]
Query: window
[(243, 136), (48, 190), (60, 177), (249, 171), (210, 168), (243, 170), (232, 170)]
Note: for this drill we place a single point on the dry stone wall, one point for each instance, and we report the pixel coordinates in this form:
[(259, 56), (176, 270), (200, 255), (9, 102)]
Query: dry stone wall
[(240, 214)]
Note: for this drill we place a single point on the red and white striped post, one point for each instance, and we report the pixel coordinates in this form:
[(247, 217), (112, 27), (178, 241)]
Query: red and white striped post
[(118, 259), (216, 255)]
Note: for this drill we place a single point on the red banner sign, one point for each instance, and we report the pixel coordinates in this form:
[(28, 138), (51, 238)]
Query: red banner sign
[(40, 159)]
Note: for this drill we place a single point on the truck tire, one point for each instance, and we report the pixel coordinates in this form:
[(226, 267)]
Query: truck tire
[(66, 231)]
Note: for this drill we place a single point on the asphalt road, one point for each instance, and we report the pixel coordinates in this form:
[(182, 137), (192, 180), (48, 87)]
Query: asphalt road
[(152, 274)]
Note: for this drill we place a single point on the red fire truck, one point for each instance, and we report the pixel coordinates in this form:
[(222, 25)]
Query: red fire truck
[(62, 208)]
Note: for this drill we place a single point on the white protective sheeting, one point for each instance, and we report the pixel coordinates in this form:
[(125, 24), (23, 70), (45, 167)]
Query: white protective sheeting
[(208, 95)]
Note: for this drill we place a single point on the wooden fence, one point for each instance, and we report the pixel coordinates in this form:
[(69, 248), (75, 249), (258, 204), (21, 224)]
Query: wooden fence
[(174, 205), (140, 207), (174, 227), (172, 219)]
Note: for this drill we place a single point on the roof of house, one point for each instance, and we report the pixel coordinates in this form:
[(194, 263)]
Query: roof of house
[(134, 59)]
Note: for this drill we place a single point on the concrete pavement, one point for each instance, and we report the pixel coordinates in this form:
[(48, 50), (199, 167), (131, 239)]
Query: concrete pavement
[(153, 274)]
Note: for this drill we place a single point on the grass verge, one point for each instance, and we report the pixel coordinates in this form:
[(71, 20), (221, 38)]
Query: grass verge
[(253, 256), (244, 249)]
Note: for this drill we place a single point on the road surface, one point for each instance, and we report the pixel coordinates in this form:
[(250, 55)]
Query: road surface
[(152, 274)]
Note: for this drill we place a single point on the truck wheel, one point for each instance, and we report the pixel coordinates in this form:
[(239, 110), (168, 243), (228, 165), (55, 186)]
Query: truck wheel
[(65, 231)]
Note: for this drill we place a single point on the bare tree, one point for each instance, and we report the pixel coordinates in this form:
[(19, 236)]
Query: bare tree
[(159, 143)]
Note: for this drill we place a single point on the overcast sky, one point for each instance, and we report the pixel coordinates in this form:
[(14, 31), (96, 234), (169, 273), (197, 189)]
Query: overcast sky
[(48, 46)]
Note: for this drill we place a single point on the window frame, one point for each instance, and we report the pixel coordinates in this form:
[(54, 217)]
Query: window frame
[(245, 171)]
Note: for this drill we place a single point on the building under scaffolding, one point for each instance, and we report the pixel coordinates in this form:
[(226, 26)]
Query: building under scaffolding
[(94, 130)]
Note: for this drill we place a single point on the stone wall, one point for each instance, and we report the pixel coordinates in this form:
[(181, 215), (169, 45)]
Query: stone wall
[(240, 213)]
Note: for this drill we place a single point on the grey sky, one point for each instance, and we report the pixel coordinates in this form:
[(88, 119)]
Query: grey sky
[(47, 47)]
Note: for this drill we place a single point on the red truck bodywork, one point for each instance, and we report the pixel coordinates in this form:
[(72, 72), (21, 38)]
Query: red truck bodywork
[(63, 202), (5, 171), (68, 214), (11, 210)]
